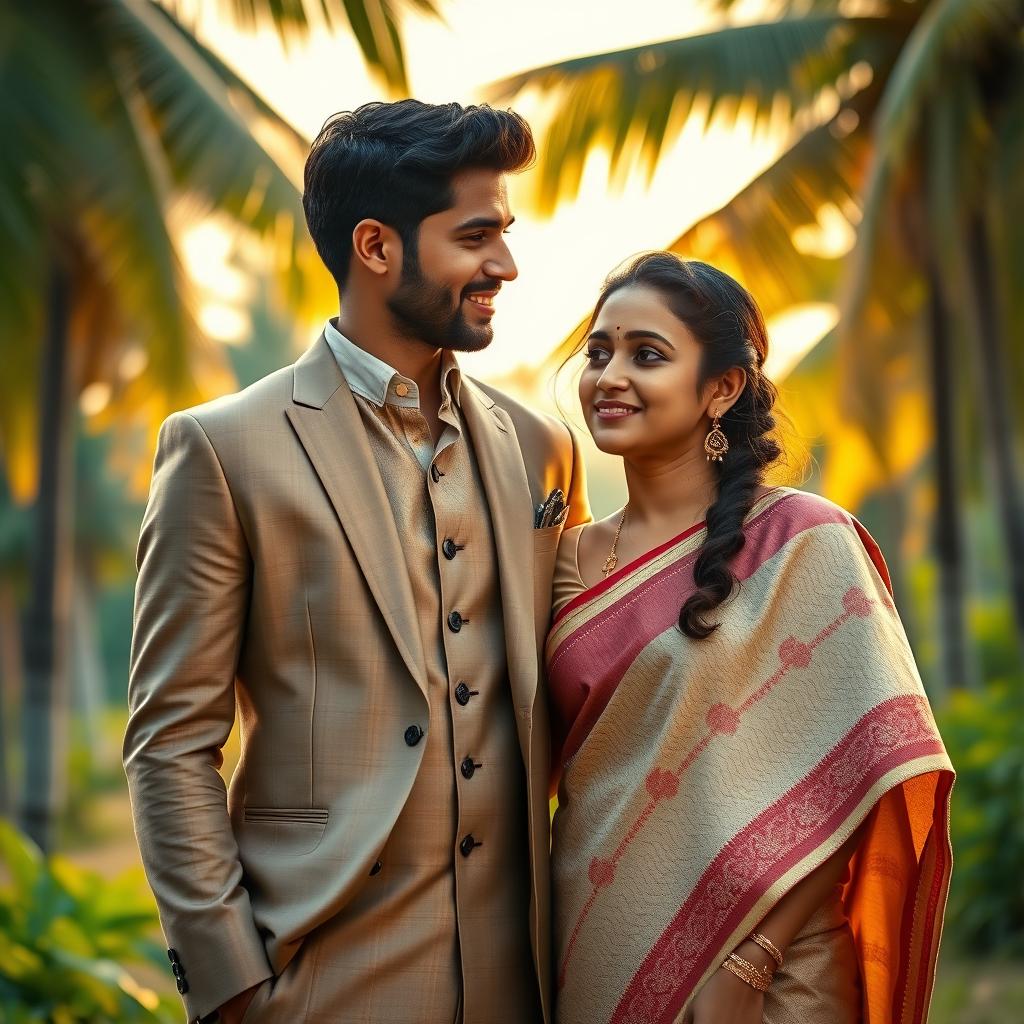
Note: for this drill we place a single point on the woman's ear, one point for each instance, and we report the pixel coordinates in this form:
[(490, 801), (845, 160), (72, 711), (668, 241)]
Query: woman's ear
[(377, 247), (726, 391)]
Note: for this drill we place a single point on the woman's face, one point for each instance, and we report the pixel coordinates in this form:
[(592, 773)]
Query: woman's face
[(639, 387)]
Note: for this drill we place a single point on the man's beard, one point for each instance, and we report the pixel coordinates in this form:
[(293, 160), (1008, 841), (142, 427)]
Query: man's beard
[(425, 311)]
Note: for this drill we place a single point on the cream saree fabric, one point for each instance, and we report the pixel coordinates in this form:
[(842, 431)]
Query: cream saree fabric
[(701, 780)]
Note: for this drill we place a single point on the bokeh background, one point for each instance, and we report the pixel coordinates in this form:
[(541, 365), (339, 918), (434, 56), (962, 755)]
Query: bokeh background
[(858, 165)]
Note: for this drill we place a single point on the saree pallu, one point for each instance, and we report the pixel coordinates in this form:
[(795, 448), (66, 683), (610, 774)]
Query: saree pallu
[(701, 780)]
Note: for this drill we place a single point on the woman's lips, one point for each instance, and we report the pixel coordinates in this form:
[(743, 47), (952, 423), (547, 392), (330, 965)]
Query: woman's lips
[(614, 410)]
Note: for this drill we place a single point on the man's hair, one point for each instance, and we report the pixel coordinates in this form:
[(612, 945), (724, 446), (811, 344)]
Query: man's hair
[(394, 162)]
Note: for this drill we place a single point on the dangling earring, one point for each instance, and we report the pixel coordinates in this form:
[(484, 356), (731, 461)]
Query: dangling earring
[(716, 444)]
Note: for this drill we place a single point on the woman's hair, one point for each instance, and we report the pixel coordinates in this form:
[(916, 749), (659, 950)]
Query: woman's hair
[(725, 319), (395, 162)]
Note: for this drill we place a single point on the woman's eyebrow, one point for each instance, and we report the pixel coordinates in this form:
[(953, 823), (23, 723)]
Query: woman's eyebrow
[(631, 336)]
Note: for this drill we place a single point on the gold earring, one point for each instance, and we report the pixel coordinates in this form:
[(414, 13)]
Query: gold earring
[(716, 444)]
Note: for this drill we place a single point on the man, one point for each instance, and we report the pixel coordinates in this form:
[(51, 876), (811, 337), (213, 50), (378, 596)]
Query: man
[(346, 554)]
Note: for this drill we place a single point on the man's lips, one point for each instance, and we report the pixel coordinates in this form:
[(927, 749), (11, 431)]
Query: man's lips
[(609, 410), (483, 301)]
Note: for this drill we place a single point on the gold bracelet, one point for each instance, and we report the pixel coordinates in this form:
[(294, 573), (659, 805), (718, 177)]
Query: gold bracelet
[(746, 971), (768, 946)]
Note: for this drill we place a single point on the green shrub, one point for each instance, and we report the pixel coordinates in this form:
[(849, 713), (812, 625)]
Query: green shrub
[(984, 733), (64, 936)]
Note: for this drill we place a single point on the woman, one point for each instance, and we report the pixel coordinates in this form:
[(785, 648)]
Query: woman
[(753, 796)]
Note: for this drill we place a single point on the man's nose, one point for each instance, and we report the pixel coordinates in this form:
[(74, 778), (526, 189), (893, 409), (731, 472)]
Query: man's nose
[(501, 265)]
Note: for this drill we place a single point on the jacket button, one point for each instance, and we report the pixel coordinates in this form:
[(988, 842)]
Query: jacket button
[(455, 621), (375, 870), (449, 548), (467, 845), (172, 955), (467, 767), (181, 985), (413, 735), (462, 694)]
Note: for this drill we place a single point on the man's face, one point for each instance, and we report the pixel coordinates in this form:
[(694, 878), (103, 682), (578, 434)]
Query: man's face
[(451, 276)]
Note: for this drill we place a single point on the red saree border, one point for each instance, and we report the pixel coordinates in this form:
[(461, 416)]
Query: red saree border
[(929, 936), (602, 586), (661, 986)]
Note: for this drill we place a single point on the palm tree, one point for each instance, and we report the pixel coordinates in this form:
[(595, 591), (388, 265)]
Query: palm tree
[(114, 120), (907, 119)]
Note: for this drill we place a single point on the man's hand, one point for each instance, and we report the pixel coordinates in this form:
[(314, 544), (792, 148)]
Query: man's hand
[(234, 1009)]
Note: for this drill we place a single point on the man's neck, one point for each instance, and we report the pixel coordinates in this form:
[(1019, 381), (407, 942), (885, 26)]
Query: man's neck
[(412, 358)]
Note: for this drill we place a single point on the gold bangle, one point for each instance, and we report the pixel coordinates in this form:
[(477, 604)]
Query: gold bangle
[(746, 971), (768, 946)]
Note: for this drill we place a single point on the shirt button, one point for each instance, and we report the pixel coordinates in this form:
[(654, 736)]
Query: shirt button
[(467, 845), (449, 548), (468, 767), (376, 868), (413, 735), (462, 694), (435, 473), (455, 621), (401, 390)]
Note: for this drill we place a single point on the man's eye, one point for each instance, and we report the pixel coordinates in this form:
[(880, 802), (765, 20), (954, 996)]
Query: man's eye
[(475, 238)]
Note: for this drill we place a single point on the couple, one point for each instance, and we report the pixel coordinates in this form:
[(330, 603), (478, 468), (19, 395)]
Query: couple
[(349, 557)]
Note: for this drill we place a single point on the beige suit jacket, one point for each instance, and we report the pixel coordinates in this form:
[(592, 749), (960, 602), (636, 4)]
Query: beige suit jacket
[(272, 583)]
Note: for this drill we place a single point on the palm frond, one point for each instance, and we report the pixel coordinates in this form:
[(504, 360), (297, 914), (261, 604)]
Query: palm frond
[(210, 151), (636, 101), (374, 23)]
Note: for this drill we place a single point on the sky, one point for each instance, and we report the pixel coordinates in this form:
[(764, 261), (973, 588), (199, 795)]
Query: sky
[(563, 259)]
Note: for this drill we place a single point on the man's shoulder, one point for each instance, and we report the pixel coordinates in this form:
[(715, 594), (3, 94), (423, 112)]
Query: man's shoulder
[(251, 406), (531, 422)]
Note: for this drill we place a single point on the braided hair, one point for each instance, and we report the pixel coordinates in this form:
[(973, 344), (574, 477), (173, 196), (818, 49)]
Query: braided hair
[(730, 327)]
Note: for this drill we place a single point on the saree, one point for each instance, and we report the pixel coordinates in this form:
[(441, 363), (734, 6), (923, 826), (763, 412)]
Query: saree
[(699, 781)]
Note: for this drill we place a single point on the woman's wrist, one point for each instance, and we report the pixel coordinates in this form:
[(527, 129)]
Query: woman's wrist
[(752, 952)]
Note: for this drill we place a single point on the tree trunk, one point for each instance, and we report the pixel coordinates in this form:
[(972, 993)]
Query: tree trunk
[(994, 404), (949, 544), (47, 621), (11, 680)]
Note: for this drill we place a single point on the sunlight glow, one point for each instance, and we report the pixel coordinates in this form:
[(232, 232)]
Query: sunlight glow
[(94, 398)]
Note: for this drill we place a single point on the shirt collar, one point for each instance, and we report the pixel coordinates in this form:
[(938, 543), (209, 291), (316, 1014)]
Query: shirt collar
[(381, 384)]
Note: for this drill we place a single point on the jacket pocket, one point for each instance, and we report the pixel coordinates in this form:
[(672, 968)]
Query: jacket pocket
[(285, 831)]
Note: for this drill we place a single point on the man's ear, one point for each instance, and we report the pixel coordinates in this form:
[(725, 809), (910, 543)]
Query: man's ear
[(377, 247)]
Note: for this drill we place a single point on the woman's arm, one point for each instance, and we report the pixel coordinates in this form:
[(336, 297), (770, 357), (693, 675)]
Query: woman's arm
[(726, 999)]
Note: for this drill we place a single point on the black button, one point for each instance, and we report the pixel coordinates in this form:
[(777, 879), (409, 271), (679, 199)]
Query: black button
[(467, 767), (462, 694), (177, 970), (455, 621), (449, 548), (376, 868), (435, 473), (467, 845), (172, 955), (413, 735), (181, 985)]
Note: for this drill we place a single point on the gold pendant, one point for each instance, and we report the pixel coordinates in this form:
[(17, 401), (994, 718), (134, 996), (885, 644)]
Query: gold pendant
[(609, 564)]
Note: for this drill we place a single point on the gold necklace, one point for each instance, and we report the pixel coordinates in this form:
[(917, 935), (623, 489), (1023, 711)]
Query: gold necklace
[(613, 559)]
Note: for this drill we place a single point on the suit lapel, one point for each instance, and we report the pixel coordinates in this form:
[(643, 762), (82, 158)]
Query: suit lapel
[(508, 496), (327, 422)]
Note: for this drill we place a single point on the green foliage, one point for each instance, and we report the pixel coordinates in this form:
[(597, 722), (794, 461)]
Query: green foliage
[(984, 733), (64, 936)]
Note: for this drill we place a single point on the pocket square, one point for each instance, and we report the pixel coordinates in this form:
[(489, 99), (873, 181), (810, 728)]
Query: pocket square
[(552, 511)]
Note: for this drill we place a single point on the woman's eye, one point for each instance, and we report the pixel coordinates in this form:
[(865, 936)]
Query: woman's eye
[(596, 355), (648, 355)]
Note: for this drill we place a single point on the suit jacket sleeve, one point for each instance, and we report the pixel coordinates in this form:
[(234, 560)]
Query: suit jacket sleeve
[(190, 610), (579, 504)]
